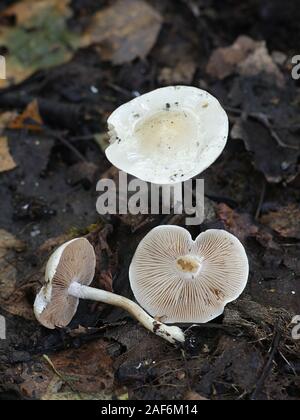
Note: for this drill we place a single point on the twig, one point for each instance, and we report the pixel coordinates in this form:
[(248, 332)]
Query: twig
[(265, 121), (261, 200), (187, 371), (212, 326), (65, 380), (268, 366), (66, 143), (288, 363), (120, 89)]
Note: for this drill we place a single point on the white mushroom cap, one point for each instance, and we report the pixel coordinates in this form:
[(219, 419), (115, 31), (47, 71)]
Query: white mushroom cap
[(180, 280), (169, 135), (74, 261)]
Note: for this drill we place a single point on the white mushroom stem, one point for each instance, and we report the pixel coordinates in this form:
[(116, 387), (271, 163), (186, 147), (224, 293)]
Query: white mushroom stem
[(170, 333)]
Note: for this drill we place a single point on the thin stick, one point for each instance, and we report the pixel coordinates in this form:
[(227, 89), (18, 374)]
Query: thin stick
[(261, 200), (268, 367)]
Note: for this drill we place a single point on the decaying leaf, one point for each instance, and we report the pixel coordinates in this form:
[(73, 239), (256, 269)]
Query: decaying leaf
[(246, 57), (285, 221), (85, 373), (276, 162), (51, 244), (224, 61), (260, 61), (183, 73), (40, 38), (8, 272), (239, 224), (7, 162), (5, 119), (30, 119), (124, 31), (194, 396), (24, 10)]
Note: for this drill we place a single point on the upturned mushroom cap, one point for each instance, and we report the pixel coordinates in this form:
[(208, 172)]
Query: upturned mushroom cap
[(169, 135), (184, 281), (73, 261)]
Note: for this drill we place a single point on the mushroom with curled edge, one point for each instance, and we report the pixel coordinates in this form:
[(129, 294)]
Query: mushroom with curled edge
[(179, 280), (69, 273), (169, 135)]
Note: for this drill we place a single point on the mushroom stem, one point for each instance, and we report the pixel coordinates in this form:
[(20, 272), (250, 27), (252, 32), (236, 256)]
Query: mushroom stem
[(170, 333)]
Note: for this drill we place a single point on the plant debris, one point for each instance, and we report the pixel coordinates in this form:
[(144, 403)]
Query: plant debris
[(126, 30), (7, 162)]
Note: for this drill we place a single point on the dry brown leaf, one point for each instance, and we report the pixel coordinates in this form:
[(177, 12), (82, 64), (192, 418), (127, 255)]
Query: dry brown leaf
[(124, 31), (7, 162), (25, 9), (194, 396), (260, 61), (183, 72), (223, 61), (88, 370), (13, 298), (39, 39), (246, 57), (238, 224), (6, 118), (30, 119), (18, 303), (285, 221), (52, 243), (8, 271)]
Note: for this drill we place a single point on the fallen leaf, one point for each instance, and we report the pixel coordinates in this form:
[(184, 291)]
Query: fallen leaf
[(277, 163), (5, 119), (239, 224), (124, 31), (30, 119), (260, 61), (106, 264), (52, 243), (7, 163), (18, 303), (183, 72), (194, 396), (245, 57), (84, 373), (9, 242), (223, 61), (40, 38), (285, 221), (26, 9), (8, 271)]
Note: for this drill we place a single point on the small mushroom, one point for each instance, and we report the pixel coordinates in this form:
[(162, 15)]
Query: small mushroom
[(184, 281), (169, 135), (69, 272)]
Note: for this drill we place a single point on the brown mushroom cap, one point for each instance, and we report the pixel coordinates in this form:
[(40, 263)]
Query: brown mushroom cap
[(73, 261), (180, 280)]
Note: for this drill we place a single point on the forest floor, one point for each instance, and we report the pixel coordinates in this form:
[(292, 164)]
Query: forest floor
[(69, 65)]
